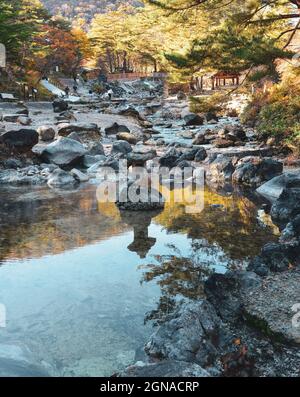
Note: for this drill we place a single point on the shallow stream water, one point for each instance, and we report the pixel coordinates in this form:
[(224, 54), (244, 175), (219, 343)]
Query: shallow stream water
[(83, 285)]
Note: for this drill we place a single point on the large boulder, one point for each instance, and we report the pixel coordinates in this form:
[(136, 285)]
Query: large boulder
[(145, 199), (59, 105), (140, 155), (122, 147), (189, 334), (271, 307), (63, 152), (192, 119), (254, 171), (83, 130), (274, 187), (287, 207), (220, 170), (170, 158), (21, 140), (46, 133)]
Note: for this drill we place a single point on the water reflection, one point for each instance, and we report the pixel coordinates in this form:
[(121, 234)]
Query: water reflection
[(79, 278)]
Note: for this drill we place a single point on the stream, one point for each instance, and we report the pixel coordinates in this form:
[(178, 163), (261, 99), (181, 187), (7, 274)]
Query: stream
[(83, 284)]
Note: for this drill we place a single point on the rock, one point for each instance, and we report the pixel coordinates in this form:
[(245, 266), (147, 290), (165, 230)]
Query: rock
[(88, 161), (200, 139), (223, 143), (140, 155), (165, 369), (83, 130), (60, 178), (274, 258), (74, 136), (46, 133), (184, 164), (190, 334), (145, 200), (116, 128), (224, 292), (68, 115), (170, 158), (121, 147), (238, 133), (10, 118), (200, 155), (96, 148), (79, 176), (128, 137), (63, 152), (188, 155), (59, 105), (18, 361), (21, 140), (23, 112), (193, 119), (220, 170), (181, 96), (253, 171), (287, 206), (131, 112), (186, 134), (12, 163), (211, 116), (269, 307), (274, 187), (291, 232), (25, 176), (24, 120)]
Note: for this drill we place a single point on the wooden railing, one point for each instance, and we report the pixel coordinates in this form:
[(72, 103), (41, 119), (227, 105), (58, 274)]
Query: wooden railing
[(127, 76)]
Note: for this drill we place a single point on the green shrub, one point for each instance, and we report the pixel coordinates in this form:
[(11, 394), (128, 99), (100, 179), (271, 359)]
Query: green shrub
[(213, 103)]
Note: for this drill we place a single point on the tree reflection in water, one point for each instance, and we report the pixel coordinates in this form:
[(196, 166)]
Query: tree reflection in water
[(179, 278)]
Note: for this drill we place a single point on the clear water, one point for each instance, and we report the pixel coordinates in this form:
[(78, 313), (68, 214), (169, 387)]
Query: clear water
[(83, 284)]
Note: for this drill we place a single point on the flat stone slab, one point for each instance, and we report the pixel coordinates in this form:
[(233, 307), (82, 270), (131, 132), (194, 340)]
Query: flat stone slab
[(273, 188), (273, 307), (241, 151)]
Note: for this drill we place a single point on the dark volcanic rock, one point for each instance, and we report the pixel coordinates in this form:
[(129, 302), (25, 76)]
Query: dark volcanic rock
[(220, 170), (254, 171), (273, 188), (286, 207), (21, 140), (121, 147), (170, 158), (116, 128)]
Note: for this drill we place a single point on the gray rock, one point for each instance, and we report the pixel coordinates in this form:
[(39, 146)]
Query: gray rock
[(122, 147), (79, 176), (88, 161), (170, 158), (95, 149), (269, 307), (165, 369), (60, 178), (200, 139), (253, 171), (74, 136), (287, 207), (63, 152), (189, 335), (140, 155), (273, 188), (18, 361), (200, 155), (10, 118), (220, 170), (145, 201)]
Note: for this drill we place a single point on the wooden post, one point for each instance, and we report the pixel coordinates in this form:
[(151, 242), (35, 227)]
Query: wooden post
[(213, 83)]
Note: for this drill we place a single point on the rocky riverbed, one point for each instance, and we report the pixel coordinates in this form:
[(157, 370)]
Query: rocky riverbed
[(245, 322)]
